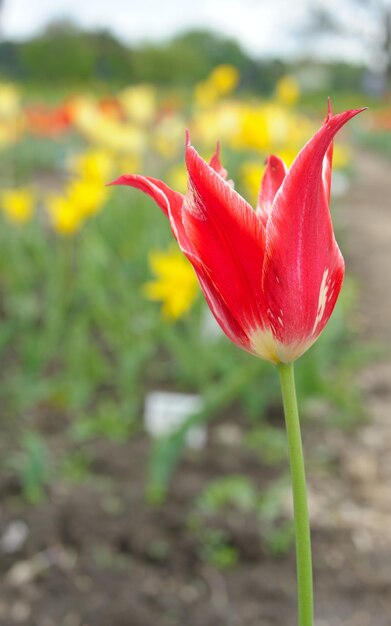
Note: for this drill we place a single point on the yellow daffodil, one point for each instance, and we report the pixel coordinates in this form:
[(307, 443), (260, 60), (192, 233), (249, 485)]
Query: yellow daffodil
[(168, 136), (139, 103), (205, 94), (94, 164), (107, 132), (86, 196), (177, 178), (288, 90), (66, 218), (288, 155), (223, 121), (221, 81), (175, 286), (18, 205), (224, 78), (254, 131), (251, 174)]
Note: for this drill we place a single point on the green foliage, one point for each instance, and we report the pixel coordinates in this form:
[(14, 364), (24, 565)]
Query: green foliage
[(75, 467), (108, 421), (158, 550), (61, 54), (216, 550), (106, 558), (236, 492), (279, 538), (269, 442), (190, 57), (32, 465), (32, 155), (64, 54), (377, 140), (218, 395), (231, 491), (326, 372)]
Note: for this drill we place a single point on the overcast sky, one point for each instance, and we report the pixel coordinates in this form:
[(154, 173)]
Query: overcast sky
[(263, 27)]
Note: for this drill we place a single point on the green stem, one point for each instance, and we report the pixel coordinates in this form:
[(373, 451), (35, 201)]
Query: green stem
[(299, 490)]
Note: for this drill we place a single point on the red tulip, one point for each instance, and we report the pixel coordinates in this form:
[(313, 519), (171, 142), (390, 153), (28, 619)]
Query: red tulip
[(271, 277)]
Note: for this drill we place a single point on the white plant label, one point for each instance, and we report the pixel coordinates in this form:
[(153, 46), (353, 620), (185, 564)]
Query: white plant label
[(165, 412)]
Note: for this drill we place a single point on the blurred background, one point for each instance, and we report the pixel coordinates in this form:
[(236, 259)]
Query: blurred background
[(143, 465)]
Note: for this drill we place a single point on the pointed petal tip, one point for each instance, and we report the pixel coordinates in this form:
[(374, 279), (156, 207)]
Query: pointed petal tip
[(187, 138), (338, 120), (357, 111), (268, 160), (348, 114), (273, 161), (121, 180), (329, 110), (272, 179), (215, 162)]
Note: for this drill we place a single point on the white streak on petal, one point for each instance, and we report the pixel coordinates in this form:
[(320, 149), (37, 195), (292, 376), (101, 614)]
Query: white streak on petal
[(323, 297)]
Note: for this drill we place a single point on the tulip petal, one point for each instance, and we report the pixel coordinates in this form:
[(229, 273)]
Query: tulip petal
[(217, 167), (171, 204), (224, 316), (159, 191), (328, 159), (229, 238), (303, 268), (271, 182), (326, 173), (215, 163)]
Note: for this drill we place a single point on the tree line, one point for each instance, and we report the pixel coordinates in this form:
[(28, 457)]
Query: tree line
[(65, 54)]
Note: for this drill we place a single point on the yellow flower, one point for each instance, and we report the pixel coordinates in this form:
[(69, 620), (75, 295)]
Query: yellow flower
[(288, 90), (109, 133), (127, 163), (94, 164), (254, 130), (168, 136), (288, 155), (176, 286), (18, 205), (65, 216), (251, 175), (221, 81), (9, 100), (341, 156), (205, 94), (86, 196), (224, 78), (177, 178), (222, 121), (139, 103)]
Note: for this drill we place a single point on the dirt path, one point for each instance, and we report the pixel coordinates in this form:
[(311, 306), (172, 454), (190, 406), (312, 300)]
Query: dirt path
[(367, 210), (358, 497)]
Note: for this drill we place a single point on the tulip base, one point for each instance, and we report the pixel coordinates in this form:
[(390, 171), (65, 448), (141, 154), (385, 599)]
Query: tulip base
[(299, 491)]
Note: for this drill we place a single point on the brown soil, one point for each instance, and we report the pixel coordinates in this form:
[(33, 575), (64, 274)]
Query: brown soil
[(97, 555)]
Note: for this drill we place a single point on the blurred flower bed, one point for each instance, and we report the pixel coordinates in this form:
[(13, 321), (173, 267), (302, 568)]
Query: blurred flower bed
[(90, 323)]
